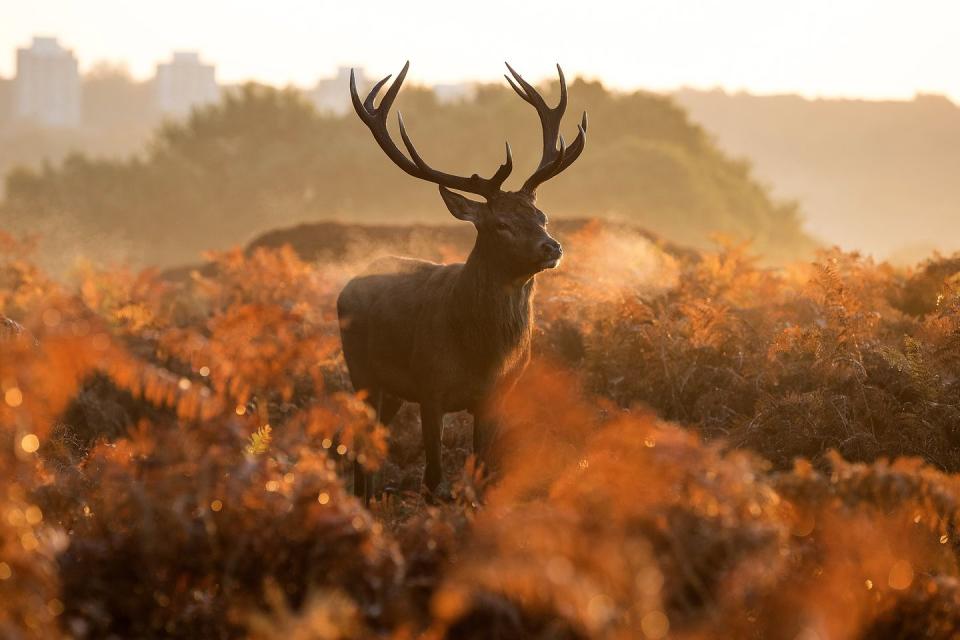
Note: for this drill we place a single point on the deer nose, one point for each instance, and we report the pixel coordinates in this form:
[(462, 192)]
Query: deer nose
[(551, 249)]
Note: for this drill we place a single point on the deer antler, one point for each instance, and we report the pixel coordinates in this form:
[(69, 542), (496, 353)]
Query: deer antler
[(376, 120), (554, 159)]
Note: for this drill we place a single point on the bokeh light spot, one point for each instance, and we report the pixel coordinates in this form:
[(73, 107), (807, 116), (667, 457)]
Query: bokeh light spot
[(33, 514), (600, 608), (51, 317), (13, 397), (655, 625), (901, 575), (55, 607), (30, 443)]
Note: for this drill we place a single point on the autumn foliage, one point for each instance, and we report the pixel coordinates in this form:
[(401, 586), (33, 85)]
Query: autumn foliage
[(704, 448)]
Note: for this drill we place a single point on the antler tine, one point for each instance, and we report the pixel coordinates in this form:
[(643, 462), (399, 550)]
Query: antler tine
[(519, 91), (394, 89), (355, 97), (562, 105), (501, 175), (375, 117), (368, 102), (565, 158), (409, 145), (575, 149), (530, 94), (495, 182), (555, 166), (545, 172), (553, 160)]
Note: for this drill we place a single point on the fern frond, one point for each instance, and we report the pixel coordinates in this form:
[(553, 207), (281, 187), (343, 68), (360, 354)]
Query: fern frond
[(259, 442), (913, 363)]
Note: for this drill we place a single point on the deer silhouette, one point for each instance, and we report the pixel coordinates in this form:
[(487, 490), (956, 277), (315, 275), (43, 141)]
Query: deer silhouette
[(446, 335)]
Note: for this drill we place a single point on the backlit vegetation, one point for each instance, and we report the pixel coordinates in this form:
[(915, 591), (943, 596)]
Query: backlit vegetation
[(704, 448), (264, 157)]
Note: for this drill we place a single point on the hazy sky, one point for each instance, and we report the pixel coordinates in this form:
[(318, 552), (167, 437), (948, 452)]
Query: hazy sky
[(868, 48)]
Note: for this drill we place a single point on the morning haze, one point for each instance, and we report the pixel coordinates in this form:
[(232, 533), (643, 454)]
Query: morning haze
[(101, 78), (678, 361)]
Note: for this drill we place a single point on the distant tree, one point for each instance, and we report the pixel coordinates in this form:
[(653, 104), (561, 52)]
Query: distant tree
[(118, 116), (112, 99), (263, 157)]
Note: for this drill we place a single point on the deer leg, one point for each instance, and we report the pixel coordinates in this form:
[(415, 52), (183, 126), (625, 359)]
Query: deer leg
[(370, 479), (360, 482), (387, 407), (353, 336), (485, 429), (431, 419)]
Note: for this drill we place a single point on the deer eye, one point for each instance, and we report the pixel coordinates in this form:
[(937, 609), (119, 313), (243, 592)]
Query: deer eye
[(503, 226)]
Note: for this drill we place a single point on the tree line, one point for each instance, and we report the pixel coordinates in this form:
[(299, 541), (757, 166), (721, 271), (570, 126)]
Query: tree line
[(264, 157)]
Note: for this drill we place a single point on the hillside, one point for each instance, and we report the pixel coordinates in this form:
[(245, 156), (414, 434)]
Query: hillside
[(265, 158), (864, 172)]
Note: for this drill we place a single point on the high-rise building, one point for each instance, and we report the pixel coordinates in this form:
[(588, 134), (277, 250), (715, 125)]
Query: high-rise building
[(184, 83), (332, 95), (47, 86), (6, 101)]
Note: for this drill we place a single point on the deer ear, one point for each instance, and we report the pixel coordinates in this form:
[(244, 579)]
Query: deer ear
[(460, 207)]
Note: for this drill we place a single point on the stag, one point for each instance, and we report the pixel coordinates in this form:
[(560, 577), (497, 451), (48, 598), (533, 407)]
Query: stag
[(446, 335)]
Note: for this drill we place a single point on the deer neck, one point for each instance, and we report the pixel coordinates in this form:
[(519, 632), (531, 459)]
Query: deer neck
[(493, 308)]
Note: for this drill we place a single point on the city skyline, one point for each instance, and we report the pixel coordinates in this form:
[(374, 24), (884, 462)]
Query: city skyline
[(48, 88), (857, 49)]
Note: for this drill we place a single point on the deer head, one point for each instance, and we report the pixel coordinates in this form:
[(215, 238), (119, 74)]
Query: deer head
[(511, 230)]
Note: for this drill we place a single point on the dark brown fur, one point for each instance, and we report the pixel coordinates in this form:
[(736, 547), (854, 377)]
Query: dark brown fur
[(445, 335)]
